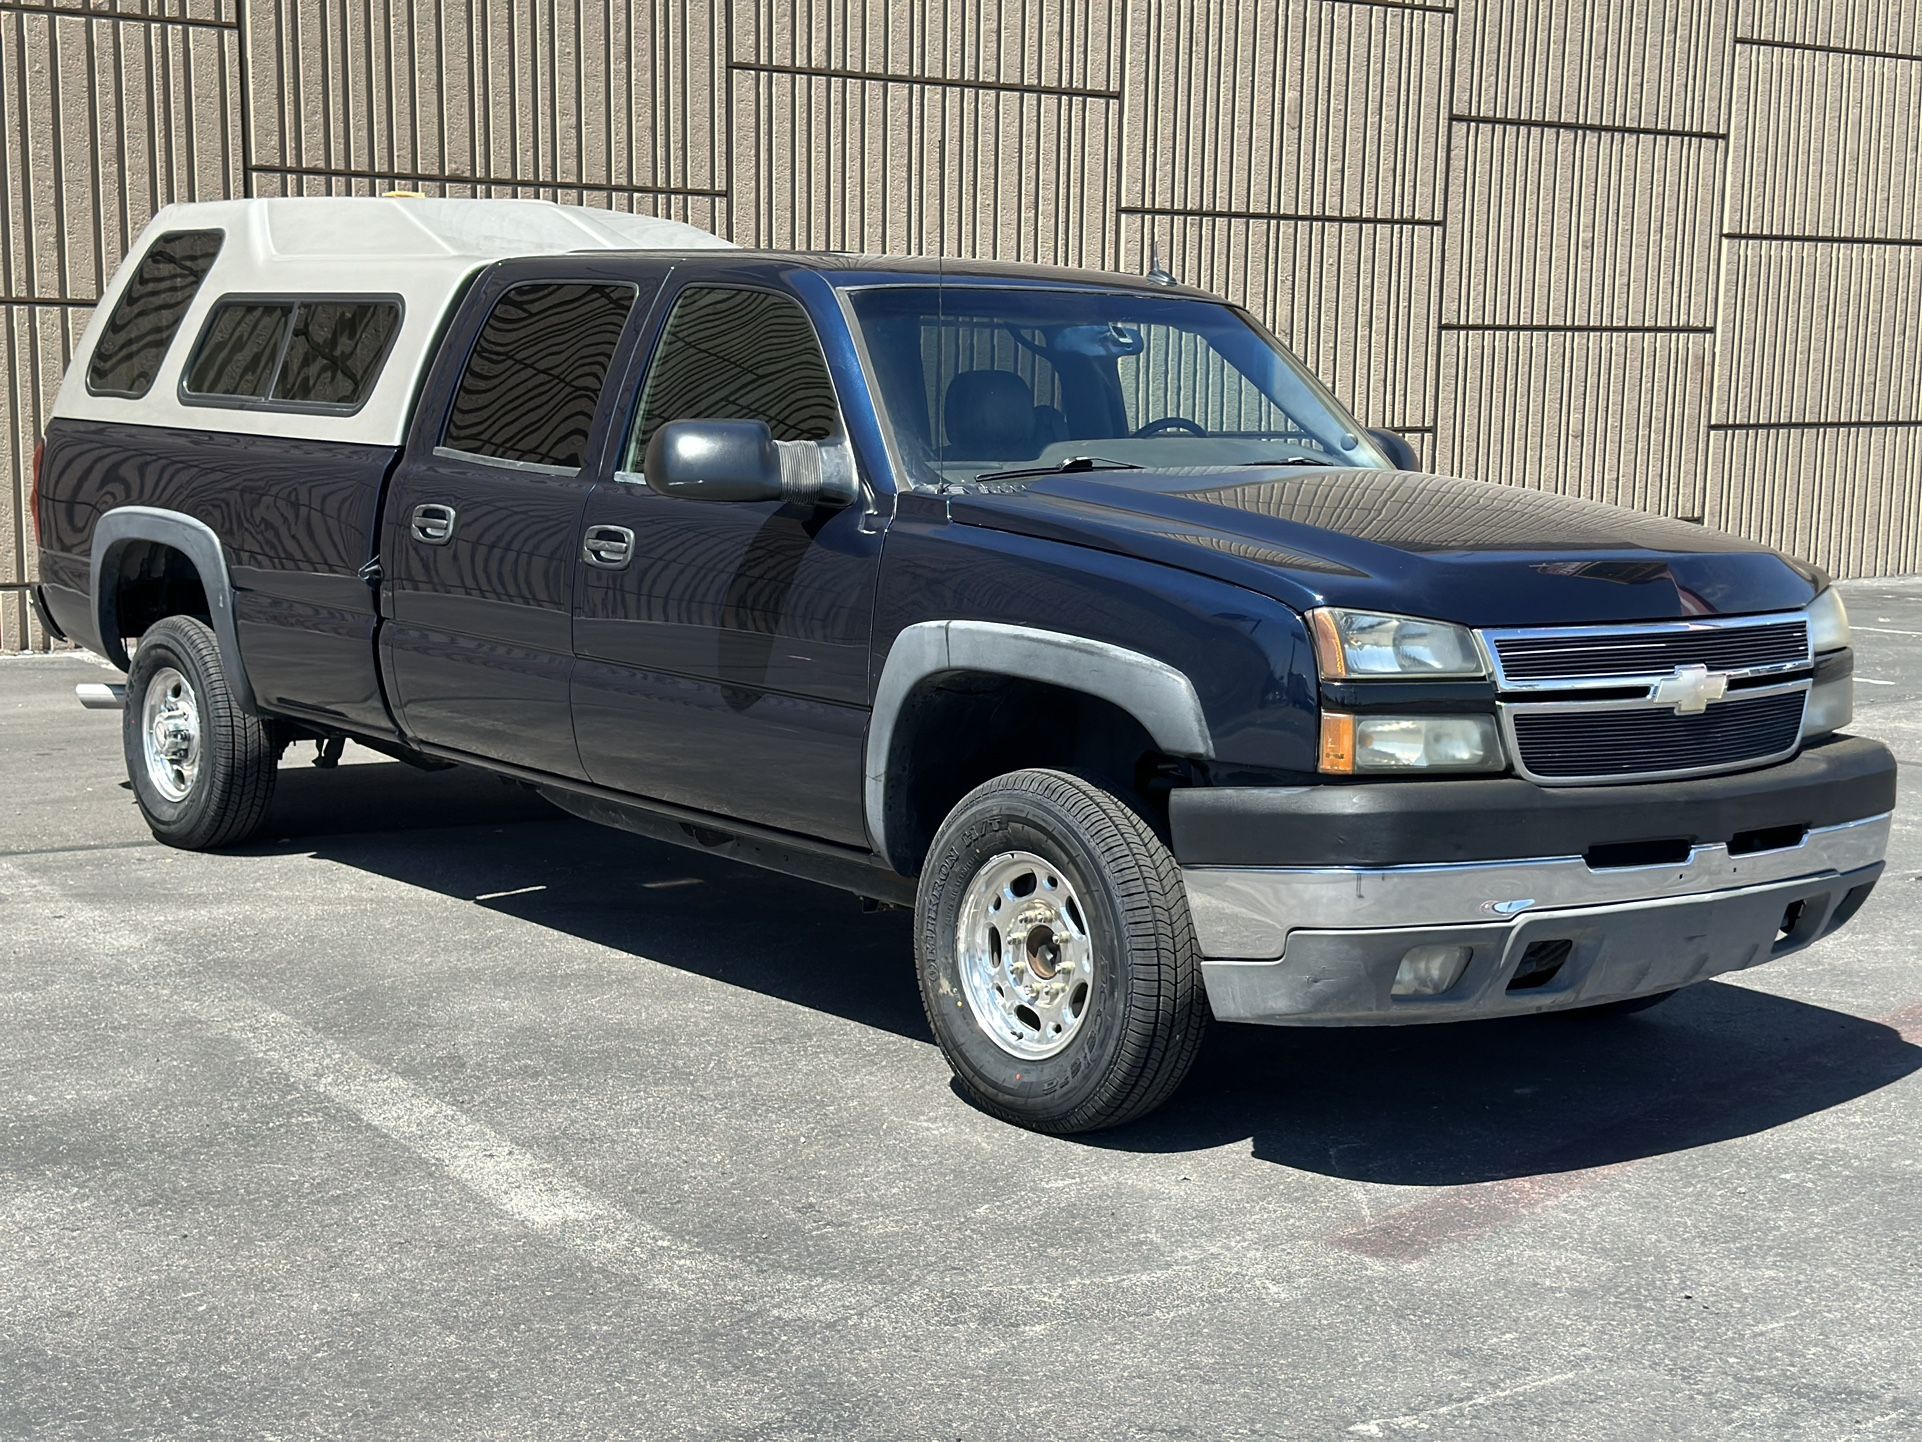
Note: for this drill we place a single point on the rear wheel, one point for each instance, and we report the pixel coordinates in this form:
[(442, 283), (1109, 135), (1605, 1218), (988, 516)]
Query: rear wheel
[(1056, 957), (202, 769)]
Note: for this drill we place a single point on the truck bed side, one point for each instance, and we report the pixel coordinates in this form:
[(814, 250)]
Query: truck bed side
[(297, 520)]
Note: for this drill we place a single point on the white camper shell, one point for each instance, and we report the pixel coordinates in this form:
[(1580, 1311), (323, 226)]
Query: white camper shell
[(418, 253)]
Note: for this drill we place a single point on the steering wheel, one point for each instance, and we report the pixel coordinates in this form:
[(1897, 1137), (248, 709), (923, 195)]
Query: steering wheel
[(1170, 423)]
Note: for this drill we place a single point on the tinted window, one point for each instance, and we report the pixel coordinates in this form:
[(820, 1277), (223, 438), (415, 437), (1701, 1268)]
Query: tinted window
[(977, 379), (534, 379), (239, 349), (737, 355), (292, 352), (143, 323), (335, 352)]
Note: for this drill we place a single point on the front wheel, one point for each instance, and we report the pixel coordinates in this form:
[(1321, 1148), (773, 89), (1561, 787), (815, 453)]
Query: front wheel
[(1056, 958), (1627, 1006), (202, 769)]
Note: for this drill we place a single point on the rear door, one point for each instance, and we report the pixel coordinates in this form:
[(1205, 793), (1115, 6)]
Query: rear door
[(482, 522), (724, 645)]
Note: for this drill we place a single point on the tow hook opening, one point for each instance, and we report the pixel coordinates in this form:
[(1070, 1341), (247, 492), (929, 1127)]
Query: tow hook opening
[(1767, 838), (1664, 851)]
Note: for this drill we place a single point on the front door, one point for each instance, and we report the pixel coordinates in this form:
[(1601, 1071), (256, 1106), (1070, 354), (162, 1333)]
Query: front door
[(723, 646), (483, 521)]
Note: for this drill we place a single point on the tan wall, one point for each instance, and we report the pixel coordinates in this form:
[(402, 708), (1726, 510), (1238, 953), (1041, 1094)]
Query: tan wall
[(1664, 252)]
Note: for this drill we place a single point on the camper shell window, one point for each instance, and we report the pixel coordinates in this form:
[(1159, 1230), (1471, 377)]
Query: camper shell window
[(149, 311), (291, 353)]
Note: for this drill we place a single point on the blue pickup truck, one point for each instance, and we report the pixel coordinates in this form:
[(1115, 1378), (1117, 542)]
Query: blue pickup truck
[(1066, 608)]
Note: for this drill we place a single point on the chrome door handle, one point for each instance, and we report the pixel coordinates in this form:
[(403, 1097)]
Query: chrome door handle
[(434, 524), (609, 547)]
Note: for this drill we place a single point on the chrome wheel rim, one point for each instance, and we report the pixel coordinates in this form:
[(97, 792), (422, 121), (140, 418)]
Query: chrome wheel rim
[(1027, 962), (170, 734)]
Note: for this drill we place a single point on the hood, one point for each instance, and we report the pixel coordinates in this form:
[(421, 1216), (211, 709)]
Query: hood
[(1440, 546)]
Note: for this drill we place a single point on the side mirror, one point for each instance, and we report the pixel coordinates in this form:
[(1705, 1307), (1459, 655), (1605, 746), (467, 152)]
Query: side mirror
[(1400, 454), (741, 461), (714, 461)]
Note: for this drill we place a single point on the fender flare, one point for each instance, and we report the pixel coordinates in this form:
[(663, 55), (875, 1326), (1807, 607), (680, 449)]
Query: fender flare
[(125, 525), (1157, 695)]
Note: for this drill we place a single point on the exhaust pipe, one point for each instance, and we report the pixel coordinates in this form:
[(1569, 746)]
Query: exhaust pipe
[(99, 696)]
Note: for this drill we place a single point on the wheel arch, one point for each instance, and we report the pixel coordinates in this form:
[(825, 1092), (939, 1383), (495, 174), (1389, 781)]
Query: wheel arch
[(116, 535), (1155, 696)]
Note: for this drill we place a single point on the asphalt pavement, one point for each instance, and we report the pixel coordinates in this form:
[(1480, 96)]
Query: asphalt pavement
[(440, 1114)]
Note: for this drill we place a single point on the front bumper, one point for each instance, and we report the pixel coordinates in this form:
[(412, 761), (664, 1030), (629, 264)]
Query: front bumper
[(1764, 867)]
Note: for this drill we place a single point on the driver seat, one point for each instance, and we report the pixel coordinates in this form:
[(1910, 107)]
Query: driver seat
[(991, 415)]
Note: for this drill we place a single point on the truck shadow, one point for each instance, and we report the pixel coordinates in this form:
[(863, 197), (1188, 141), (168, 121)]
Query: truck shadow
[(1409, 1106)]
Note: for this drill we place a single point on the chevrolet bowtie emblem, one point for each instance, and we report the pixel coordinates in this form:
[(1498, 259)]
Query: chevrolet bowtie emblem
[(1690, 689)]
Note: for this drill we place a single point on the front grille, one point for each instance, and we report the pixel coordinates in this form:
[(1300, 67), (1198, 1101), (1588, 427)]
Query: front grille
[(1567, 742), (1636, 652)]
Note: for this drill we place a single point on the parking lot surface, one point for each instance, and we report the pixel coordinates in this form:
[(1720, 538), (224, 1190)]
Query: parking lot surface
[(439, 1114)]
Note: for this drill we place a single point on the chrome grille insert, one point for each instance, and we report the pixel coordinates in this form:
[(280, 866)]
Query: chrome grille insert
[(1704, 696), (1586, 656), (1566, 742)]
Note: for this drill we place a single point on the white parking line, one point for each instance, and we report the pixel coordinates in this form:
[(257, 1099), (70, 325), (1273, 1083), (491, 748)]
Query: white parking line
[(468, 1151)]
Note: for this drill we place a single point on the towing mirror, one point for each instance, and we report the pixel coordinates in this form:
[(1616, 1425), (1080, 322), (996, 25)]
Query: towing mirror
[(741, 461), (1400, 454), (715, 461)]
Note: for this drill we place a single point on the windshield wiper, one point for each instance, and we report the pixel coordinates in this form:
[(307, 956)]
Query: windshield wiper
[(1286, 461), (1061, 468)]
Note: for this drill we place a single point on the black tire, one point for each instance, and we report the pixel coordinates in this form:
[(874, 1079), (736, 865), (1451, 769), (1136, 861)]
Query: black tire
[(233, 783), (1138, 1034), (1627, 1006)]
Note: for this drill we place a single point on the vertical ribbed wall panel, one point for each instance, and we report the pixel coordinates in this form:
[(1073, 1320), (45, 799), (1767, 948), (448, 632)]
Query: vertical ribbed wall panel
[(1030, 44), (1355, 302), (1658, 64), (102, 122), (908, 166), (1826, 145), (1891, 26), (1849, 499), (1581, 228), (617, 104), (1612, 417), (1820, 333), (1285, 108)]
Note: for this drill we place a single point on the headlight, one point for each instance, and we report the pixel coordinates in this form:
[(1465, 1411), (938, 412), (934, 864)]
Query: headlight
[(1828, 622), (1351, 744), (1353, 644)]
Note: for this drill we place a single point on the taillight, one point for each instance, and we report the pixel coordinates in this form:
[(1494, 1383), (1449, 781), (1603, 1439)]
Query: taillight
[(33, 491)]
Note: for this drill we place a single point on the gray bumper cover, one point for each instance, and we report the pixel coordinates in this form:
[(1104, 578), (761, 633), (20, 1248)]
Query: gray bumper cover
[(1322, 946)]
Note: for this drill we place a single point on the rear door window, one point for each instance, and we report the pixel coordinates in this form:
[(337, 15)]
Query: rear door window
[(291, 353), (534, 379), (149, 311)]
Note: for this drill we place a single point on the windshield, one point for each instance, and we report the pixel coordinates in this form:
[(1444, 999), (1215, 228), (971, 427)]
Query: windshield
[(978, 381)]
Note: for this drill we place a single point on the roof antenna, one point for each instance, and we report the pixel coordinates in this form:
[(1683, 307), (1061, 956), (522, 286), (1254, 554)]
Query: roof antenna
[(1158, 274)]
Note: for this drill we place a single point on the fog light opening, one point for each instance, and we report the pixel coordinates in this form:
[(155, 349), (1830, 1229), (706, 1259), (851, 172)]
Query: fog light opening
[(1431, 970)]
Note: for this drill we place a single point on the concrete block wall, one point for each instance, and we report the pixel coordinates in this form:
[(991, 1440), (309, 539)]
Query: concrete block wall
[(1660, 252)]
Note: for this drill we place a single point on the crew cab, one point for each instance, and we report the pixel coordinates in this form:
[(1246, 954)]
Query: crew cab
[(1064, 607)]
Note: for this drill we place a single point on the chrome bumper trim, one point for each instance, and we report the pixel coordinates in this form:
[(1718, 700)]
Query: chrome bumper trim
[(1599, 954), (1247, 913)]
